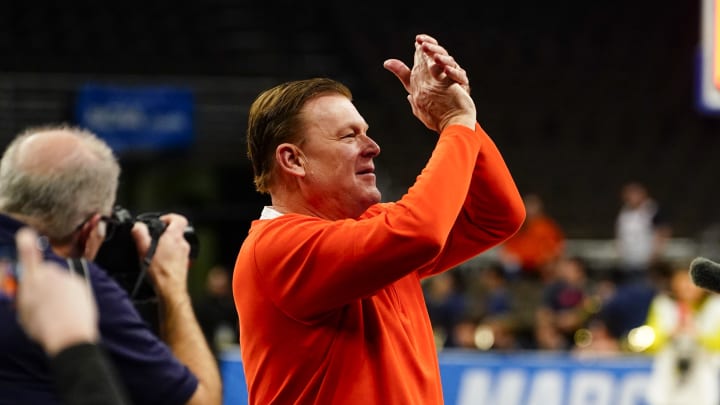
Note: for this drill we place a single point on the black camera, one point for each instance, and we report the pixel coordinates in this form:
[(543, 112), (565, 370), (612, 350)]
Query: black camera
[(118, 255)]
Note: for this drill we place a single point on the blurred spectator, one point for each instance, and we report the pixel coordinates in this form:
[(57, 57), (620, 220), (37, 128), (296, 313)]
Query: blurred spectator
[(496, 298), (538, 243), (642, 232), (216, 311), (596, 339), (627, 308), (684, 326), (492, 305), (503, 308), (465, 333), (446, 305), (597, 336), (567, 304)]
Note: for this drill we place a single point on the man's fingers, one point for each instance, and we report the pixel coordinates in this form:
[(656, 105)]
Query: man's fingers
[(433, 50), (438, 71), (175, 223), (446, 60), (424, 38), (450, 69), (400, 70), (458, 75), (141, 235), (29, 255), (443, 66)]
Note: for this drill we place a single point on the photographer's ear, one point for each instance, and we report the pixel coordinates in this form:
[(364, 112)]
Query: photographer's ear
[(89, 238)]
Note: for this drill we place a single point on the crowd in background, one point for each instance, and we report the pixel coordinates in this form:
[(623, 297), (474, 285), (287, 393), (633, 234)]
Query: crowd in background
[(537, 295)]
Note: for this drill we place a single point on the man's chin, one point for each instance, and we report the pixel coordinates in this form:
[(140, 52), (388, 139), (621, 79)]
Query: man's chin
[(375, 197), (368, 200)]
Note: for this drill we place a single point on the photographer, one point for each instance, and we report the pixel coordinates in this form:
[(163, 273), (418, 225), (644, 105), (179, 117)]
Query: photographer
[(62, 182)]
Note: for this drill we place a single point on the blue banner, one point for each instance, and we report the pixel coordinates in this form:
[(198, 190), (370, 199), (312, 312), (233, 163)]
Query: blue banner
[(532, 378), (543, 379), (137, 118), (233, 377)]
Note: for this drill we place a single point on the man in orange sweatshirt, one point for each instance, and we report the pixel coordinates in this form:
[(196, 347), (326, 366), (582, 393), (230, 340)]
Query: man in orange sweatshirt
[(327, 283)]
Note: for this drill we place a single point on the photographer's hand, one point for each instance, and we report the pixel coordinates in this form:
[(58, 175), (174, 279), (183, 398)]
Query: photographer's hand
[(179, 328), (169, 266)]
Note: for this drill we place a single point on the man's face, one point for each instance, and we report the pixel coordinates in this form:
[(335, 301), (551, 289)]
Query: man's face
[(339, 179)]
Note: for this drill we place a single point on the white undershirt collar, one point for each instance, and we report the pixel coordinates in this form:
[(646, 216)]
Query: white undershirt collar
[(269, 212)]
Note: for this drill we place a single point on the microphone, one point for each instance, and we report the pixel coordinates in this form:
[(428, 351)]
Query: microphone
[(705, 273)]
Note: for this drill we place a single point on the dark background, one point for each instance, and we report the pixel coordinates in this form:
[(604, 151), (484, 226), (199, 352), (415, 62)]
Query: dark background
[(579, 96)]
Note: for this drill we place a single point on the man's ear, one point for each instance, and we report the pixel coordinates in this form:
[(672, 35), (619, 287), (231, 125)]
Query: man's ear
[(89, 226), (84, 234), (290, 159)]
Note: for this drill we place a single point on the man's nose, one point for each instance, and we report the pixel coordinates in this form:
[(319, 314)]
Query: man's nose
[(372, 148)]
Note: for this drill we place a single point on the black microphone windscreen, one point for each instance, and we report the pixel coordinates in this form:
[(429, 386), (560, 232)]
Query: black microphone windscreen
[(705, 273)]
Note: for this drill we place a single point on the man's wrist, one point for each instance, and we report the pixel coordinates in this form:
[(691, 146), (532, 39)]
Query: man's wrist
[(466, 120)]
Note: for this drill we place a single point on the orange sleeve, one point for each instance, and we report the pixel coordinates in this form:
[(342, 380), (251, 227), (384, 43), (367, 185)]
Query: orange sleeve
[(492, 212), (310, 265)]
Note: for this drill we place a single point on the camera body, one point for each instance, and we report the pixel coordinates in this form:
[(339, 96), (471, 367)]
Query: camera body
[(119, 257)]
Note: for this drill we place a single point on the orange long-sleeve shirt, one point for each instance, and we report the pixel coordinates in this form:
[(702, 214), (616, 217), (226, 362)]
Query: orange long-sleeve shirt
[(332, 312)]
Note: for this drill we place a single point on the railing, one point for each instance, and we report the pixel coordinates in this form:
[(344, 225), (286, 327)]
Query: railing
[(600, 254)]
